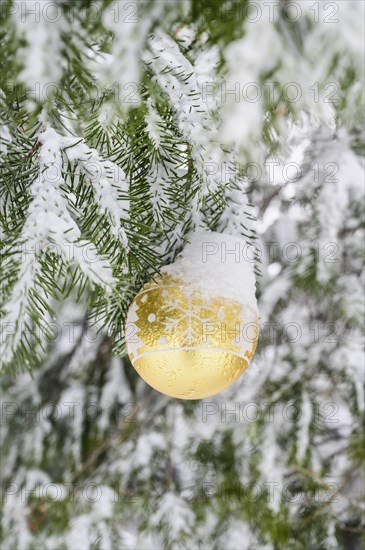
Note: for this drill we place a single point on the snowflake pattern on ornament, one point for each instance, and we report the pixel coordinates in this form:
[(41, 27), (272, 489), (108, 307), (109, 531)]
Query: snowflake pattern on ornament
[(190, 319), (172, 316)]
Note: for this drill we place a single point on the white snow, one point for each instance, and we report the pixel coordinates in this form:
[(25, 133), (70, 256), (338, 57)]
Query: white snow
[(5, 139), (107, 179), (178, 78), (215, 264), (49, 226), (42, 27)]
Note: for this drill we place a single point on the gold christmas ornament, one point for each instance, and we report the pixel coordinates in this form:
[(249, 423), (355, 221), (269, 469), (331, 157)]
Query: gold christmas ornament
[(193, 330)]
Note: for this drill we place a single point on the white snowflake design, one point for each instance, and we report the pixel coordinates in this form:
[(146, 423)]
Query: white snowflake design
[(187, 320)]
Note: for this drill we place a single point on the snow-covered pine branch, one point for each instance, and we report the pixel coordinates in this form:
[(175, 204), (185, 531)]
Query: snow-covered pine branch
[(108, 181), (51, 229), (177, 78)]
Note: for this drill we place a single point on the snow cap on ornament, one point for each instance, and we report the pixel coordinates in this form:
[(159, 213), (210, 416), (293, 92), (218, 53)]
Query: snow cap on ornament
[(193, 330)]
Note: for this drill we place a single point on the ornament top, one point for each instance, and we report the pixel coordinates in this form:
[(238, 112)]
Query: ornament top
[(217, 264)]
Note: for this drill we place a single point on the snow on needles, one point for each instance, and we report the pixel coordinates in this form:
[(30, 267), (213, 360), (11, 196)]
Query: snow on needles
[(105, 177), (49, 227), (41, 59), (178, 78)]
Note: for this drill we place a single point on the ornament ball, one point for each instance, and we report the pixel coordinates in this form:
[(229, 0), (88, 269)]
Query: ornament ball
[(190, 334)]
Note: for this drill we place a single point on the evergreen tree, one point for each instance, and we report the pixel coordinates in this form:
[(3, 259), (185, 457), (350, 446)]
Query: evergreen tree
[(124, 128)]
